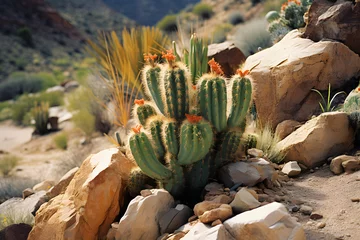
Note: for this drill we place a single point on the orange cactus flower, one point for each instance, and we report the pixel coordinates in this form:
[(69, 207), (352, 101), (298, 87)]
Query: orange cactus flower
[(358, 89), (284, 6), (169, 56), (139, 101), (137, 129), (193, 87), (242, 73), (193, 118), (215, 67), (150, 57)]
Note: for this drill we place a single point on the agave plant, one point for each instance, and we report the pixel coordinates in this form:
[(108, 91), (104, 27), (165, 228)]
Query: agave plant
[(326, 105)]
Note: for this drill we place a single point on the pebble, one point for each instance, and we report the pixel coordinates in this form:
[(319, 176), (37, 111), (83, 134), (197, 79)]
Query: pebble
[(312, 170), (306, 210), (316, 216), (294, 208), (321, 225), (355, 199), (192, 218), (216, 222)]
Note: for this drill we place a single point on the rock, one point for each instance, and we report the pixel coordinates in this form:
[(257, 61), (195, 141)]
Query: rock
[(204, 206), (336, 163), (227, 55), (15, 232), (288, 71), (316, 216), (141, 219), (89, 204), (306, 210), (331, 129), (61, 186), (201, 231), (286, 127), (61, 113), (70, 86), (219, 199), (54, 123), (55, 89), (246, 173), (339, 21), (19, 208), (355, 199), (223, 212), (176, 236), (321, 225), (43, 199), (112, 231), (255, 152), (268, 222), (43, 186), (174, 218), (292, 169), (214, 186), (27, 192), (244, 201), (216, 222), (351, 165), (294, 208)]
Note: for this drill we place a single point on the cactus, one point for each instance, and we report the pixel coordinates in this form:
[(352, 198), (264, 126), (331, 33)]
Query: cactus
[(154, 125), (137, 181), (176, 183), (272, 16), (197, 58), (143, 110), (169, 133), (40, 114), (196, 138), (213, 99), (241, 99), (229, 146)]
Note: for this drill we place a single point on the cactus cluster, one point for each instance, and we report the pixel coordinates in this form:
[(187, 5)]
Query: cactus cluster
[(191, 125), (40, 113)]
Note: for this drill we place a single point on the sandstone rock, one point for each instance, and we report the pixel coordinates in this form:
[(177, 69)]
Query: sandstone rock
[(332, 130), (27, 192), (286, 127), (112, 231), (223, 212), (43, 186), (89, 204), (255, 152), (15, 232), (336, 163), (61, 186), (338, 20), (176, 236), (204, 206), (287, 71), (244, 201), (219, 199), (306, 210), (216, 222), (227, 55), (321, 225), (268, 222), (141, 219), (351, 165), (291, 169), (201, 231), (174, 218)]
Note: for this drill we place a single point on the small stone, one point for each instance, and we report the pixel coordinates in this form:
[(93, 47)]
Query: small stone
[(214, 186), (216, 222), (312, 170), (145, 192), (355, 199), (294, 208), (316, 216), (192, 218), (309, 223), (43, 186), (227, 189), (336, 163), (351, 165), (27, 192), (244, 201), (255, 152), (223, 212), (340, 237), (317, 168), (292, 169), (306, 210), (321, 225), (263, 197), (348, 235)]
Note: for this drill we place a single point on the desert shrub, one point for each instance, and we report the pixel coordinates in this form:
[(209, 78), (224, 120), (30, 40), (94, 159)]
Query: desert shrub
[(62, 62), (168, 23), (61, 141), (40, 113), (11, 187), (85, 121), (251, 36), (21, 63), (203, 10), (7, 163), (5, 114), (25, 34), (19, 83), (5, 104), (220, 32), (236, 18)]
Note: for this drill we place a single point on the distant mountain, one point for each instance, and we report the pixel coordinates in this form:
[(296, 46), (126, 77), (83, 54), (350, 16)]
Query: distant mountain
[(147, 12)]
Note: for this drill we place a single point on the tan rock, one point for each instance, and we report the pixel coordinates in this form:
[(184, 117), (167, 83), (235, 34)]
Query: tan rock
[(27, 192), (204, 206), (284, 74), (255, 152), (331, 130), (43, 186), (202, 231), (61, 186), (176, 236), (219, 199), (351, 165), (216, 222), (244, 201), (141, 219), (336, 163), (286, 127), (223, 212), (90, 203), (291, 169)]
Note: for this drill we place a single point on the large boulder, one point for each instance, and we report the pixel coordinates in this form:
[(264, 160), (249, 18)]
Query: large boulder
[(61, 186), (141, 219), (284, 75), (339, 20), (327, 135), (201, 231), (89, 204), (268, 222)]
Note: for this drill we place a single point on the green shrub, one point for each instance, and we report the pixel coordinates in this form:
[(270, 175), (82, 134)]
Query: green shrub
[(220, 32), (168, 23), (61, 141), (25, 34), (5, 114), (203, 10), (251, 36), (7, 163), (5, 104), (236, 18), (21, 63), (62, 62), (84, 120)]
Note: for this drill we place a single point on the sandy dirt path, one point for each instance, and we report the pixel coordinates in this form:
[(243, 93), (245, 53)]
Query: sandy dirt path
[(12, 136)]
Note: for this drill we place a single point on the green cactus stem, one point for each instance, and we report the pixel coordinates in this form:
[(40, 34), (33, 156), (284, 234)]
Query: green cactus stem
[(230, 144), (154, 125), (170, 139), (197, 175), (145, 156), (196, 139), (40, 114), (143, 110), (197, 58), (241, 99), (138, 181), (175, 185)]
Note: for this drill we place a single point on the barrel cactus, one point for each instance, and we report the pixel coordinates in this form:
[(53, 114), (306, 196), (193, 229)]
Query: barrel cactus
[(187, 131)]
